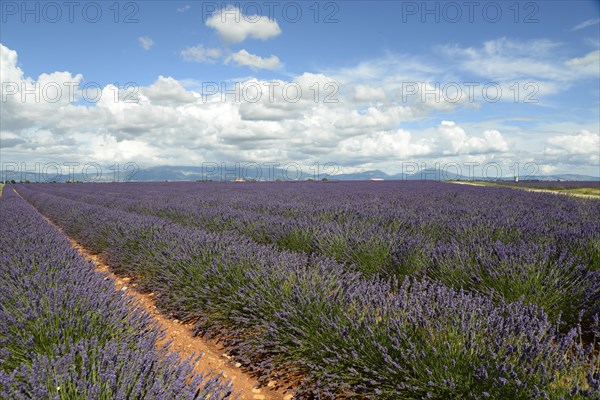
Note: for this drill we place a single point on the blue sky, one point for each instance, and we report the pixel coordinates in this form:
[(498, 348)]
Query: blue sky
[(373, 53)]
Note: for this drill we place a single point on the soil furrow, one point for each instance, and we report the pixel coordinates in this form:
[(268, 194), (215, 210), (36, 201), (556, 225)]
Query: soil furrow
[(182, 341)]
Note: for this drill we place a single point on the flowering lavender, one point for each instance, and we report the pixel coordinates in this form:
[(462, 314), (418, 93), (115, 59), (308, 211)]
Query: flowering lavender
[(66, 333), (344, 331), (539, 247)]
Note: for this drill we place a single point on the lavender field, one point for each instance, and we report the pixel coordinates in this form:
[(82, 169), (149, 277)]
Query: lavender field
[(556, 184), (65, 332), (383, 290)]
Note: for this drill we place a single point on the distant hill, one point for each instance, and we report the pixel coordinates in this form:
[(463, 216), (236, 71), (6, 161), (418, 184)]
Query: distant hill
[(216, 173), (433, 174)]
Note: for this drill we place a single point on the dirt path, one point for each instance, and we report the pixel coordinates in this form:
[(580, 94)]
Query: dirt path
[(213, 360), (527, 189)]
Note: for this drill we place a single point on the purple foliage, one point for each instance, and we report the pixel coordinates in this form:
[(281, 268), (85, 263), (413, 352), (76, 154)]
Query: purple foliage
[(480, 238), (65, 331), (554, 184), (306, 314)]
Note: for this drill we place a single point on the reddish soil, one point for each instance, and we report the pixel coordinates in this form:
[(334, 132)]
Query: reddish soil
[(183, 342), (213, 361)]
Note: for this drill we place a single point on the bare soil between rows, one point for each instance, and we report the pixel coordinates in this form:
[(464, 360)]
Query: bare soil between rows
[(214, 359)]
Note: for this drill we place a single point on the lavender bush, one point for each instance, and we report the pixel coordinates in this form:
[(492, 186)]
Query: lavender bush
[(67, 334), (539, 247), (553, 185), (345, 334)]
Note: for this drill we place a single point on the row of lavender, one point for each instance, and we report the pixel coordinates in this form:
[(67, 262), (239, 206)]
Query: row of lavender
[(290, 314), (539, 247), (67, 334)]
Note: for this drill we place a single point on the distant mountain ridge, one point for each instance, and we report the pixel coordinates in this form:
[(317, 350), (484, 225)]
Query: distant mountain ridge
[(433, 174), (216, 173), (179, 173)]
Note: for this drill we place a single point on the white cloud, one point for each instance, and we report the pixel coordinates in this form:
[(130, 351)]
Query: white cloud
[(264, 112), (50, 93), (584, 142), (374, 118), (580, 149), (585, 24), (200, 54), (171, 124), (454, 140), (146, 42), (365, 93), (9, 71), (235, 27), (243, 58), (106, 149), (548, 169), (387, 70), (391, 145), (184, 8), (505, 59), (587, 65), (168, 91)]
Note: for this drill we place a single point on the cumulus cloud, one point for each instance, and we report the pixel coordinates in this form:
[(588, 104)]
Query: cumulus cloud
[(146, 42), (9, 71), (573, 151), (49, 93), (168, 91), (265, 111), (200, 54), (243, 58), (235, 27), (168, 123), (365, 93), (584, 143), (385, 146), (373, 118), (279, 100), (548, 169), (454, 140)]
